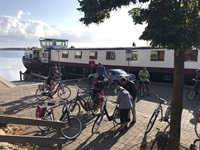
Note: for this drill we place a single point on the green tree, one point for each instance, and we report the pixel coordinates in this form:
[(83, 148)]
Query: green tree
[(172, 24)]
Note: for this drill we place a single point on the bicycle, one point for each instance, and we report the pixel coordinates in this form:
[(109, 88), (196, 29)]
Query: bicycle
[(43, 92), (197, 124), (194, 91), (108, 84), (73, 126), (195, 145), (115, 117), (143, 89), (92, 104), (166, 117)]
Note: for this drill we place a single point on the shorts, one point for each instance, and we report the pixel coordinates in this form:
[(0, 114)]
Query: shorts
[(124, 115), (49, 80)]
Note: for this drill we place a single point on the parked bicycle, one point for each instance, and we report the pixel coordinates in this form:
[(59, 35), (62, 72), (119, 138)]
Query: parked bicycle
[(73, 126), (43, 92), (115, 117), (164, 116), (91, 104), (197, 124), (194, 91), (195, 145)]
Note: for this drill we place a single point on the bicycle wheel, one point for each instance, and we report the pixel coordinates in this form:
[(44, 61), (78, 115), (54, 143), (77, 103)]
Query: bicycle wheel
[(116, 116), (73, 127), (48, 115), (97, 123), (152, 121), (74, 108), (197, 129), (94, 107), (42, 93), (195, 145), (142, 91), (64, 92), (191, 94)]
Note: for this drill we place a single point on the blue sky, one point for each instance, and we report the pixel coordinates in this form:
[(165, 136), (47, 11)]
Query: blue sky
[(22, 22)]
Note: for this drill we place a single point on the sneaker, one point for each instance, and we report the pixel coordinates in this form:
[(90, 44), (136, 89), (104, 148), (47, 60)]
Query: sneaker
[(132, 122), (125, 128)]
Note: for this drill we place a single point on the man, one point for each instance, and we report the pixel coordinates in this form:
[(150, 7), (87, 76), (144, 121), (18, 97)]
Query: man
[(132, 89), (53, 72), (101, 71), (144, 77), (197, 85)]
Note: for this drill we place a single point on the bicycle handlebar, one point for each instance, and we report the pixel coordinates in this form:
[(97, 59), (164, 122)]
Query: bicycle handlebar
[(162, 99)]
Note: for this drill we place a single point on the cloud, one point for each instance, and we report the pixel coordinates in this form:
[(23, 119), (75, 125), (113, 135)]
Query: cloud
[(16, 31)]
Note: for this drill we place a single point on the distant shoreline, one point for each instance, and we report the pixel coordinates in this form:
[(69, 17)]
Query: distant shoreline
[(11, 49)]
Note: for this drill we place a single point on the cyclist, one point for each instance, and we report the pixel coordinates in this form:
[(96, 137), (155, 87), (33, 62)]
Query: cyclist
[(144, 77), (197, 78), (101, 71), (131, 88), (53, 73), (125, 104)]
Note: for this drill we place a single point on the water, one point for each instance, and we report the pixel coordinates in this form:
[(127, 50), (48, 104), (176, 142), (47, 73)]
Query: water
[(11, 64)]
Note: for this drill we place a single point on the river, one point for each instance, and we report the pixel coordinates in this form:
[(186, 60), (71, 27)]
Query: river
[(11, 64)]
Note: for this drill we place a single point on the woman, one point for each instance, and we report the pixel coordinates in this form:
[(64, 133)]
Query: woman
[(124, 100)]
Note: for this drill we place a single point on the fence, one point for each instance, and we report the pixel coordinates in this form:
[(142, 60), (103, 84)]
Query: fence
[(59, 140)]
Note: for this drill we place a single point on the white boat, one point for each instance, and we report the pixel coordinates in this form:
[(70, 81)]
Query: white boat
[(76, 62)]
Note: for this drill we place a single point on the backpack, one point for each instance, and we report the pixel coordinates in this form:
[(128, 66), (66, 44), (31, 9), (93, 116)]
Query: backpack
[(40, 111)]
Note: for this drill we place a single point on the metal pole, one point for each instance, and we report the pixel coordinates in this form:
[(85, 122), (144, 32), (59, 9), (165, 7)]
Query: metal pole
[(128, 65)]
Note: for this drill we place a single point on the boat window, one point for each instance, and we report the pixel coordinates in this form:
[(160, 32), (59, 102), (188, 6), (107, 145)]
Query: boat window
[(78, 54), (157, 55), (65, 54), (133, 56), (93, 55), (44, 55), (110, 55), (191, 55)]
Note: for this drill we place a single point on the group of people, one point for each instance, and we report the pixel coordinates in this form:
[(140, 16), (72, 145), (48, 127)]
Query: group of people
[(126, 95)]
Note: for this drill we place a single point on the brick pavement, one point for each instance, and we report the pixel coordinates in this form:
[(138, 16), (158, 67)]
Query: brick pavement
[(21, 101)]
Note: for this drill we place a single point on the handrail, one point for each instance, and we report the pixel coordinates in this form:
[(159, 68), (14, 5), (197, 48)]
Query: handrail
[(32, 139)]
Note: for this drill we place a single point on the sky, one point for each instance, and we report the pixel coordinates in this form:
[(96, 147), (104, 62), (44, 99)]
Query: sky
[(23, 22)]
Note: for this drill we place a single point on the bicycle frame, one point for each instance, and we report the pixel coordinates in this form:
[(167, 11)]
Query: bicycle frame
[(156, 112), (110, 118)]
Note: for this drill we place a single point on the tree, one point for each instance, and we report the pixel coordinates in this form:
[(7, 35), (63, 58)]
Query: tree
[(172, 24)]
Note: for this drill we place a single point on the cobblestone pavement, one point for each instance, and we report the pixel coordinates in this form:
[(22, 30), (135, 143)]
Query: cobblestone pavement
[(20, 101)]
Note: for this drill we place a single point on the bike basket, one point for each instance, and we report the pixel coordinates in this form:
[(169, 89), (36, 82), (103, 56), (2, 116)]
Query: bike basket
[(40, 111), (100, 99), (198, 116)]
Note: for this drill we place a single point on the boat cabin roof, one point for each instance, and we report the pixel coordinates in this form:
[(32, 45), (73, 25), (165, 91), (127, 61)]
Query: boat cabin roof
[(53, 43)]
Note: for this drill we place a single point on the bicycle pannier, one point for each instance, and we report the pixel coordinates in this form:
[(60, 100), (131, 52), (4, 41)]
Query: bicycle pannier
[(40, 111), (100, 99)]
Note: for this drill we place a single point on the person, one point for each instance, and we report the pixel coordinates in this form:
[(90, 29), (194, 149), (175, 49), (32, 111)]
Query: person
[(132, 89), (53, 72), (101, 71), (144, 77), (197, 85), (125, 104)]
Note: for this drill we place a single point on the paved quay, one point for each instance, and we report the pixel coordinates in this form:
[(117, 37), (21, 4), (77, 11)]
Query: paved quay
[(19, 100)]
